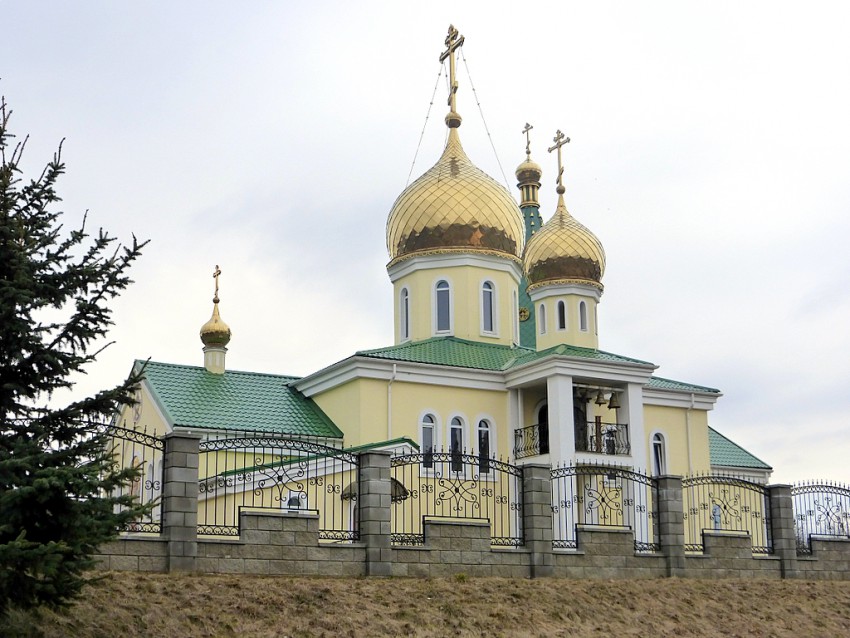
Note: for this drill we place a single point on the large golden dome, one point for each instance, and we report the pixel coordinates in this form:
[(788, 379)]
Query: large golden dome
[(564, 251), (454, 207), (215, 332)]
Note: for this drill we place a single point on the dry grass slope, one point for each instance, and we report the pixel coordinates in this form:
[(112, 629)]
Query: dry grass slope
[(124, 604)]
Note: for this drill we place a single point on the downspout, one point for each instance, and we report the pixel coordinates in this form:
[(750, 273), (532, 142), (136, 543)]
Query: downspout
[(688, 436), (390, 404)]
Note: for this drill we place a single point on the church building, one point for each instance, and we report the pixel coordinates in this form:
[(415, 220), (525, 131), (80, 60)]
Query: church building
[(495, 349)]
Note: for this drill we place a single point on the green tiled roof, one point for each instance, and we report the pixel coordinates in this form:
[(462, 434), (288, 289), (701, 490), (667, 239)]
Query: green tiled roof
[(669, 384), (451, 351), (192, 397), (729, 454)]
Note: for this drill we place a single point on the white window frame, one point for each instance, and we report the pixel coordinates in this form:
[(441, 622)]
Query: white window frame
[(491, 431), (435, 434), (404, 314), (493, 306), (450, 425), (436, 314), (582, 315), (656, 470), (561, 312), (541, 318)]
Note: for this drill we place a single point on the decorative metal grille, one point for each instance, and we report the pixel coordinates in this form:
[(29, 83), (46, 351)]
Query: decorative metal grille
[(603, 438), (606, 496), (453, 485), (726, 504), (531, 441), (259, 471), (132, 448), (820, 509)]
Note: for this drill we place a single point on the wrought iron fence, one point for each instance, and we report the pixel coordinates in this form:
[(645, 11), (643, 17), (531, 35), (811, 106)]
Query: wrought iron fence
[(607, 496), (820, 509), (132, 448), (726, 504), (260, 471), (456, 486), (531, 441), (603, 438)]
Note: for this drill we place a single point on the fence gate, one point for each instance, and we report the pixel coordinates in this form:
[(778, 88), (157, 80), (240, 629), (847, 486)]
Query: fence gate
[(726, 504), (131, 448), (606, 496), (820, 509), (455, 486), (259, 471)]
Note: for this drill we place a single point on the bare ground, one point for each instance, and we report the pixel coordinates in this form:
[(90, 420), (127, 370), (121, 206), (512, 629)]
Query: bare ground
[(126, 604)]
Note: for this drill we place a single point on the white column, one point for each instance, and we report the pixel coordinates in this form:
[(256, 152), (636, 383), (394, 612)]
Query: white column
[(633, 410), (562, 434), (514, 418)]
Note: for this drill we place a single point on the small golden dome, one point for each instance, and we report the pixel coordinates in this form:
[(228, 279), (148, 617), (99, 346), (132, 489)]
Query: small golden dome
[(564, 251), (215, 332), (454, 207), (529, 172)]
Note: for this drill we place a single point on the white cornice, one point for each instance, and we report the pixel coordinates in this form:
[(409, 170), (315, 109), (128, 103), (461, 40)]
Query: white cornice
[(680, 398), (562, 290), (559, 364), (359, 367), (454, 260)]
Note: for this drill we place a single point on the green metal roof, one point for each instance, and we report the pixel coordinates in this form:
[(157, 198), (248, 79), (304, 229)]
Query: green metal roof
[(726, 453), (190, 396), (670, 384), (451, 351)]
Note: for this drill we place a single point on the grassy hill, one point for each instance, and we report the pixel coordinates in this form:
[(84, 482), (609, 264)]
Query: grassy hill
[(124, 604)]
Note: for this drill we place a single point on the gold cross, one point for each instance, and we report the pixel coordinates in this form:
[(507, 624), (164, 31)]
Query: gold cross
[(527, 128), (560, 140), (453, 42), (216, 274)]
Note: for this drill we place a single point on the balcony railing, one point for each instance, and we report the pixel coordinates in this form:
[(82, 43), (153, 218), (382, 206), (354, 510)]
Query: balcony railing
[(603, 438), (531, 441)]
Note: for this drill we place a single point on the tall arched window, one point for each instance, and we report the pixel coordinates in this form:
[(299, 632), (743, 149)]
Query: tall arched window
[(515, 316), (582, 316), (659, 461), (428, 437), (404, 314), (456, 443), (541, 319), (562, 316), (443, 300), (484, 446), (488, 293)]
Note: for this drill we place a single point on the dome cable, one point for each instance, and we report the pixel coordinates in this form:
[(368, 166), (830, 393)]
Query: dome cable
[(427, 115)]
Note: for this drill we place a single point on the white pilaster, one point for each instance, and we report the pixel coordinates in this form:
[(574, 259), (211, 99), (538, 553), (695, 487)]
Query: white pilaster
[(562, 437), (633, 410)]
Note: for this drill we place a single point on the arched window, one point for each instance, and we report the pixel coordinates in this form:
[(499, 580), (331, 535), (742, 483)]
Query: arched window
[(488, 294), (443, 300), (404, 314), (456, 443), (562, 316), (515, 316), (541, 319), (659, 460), (428, 437), (582, 316), (485, 450)]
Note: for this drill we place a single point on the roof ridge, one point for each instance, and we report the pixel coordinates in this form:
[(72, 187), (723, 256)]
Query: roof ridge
[(693, 385), (289, 377)]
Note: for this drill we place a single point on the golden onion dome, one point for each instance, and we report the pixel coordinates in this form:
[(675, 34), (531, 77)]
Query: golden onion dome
[(528, 172), (564, 251), (215, 332), (454, 207)]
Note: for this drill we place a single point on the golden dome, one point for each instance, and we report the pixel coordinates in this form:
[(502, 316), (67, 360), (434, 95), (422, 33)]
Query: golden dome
[(454, 207), (564, 251), (528, 172), (215, 332)]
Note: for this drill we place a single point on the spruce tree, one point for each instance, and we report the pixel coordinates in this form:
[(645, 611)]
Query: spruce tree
[(58, 479)]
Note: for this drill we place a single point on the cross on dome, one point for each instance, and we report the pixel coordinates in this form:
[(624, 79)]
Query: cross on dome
[(526, 130), (453, 42), (560, 140)]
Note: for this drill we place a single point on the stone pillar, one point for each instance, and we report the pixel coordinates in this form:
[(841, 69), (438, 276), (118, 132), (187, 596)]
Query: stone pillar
[(537, 517), (782, 528), (671, 524), (180, 500), (374, 500), (562, 433)]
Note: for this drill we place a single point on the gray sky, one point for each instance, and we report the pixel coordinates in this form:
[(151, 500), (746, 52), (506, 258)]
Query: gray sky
[(710, 153)]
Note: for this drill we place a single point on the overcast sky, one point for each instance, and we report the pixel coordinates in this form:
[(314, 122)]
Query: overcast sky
[(710, 153)]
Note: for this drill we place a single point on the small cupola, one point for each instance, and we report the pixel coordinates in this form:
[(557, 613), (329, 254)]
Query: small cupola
[(215, 335)]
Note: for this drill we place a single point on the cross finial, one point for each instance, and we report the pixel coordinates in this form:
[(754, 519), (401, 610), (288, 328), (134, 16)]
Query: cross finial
[(527, 128), (216, 275), (453, 42), (560, 140)]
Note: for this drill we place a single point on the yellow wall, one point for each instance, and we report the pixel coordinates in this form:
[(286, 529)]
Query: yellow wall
[(671, 422), (572, 335), (149, 419), (465, 282)]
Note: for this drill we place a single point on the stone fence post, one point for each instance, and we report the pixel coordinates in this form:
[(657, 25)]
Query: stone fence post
[(537, 517), (782, 528), (375, 502), (180, 500), (671, 524)]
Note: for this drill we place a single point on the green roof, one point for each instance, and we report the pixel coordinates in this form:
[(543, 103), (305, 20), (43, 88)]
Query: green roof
[(451, 351), (669, 384), (729, 454), (190, 396)]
